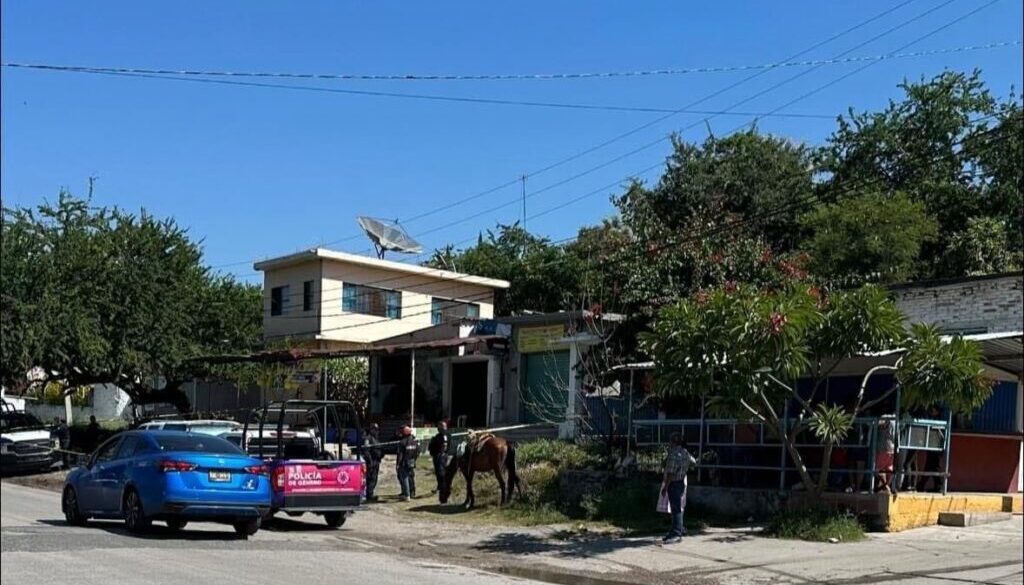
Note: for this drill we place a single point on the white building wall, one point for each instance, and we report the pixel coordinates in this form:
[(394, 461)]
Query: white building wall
[(978, 305)]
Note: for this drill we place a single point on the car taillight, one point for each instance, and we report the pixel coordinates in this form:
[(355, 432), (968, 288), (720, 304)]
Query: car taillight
[(278, 482), (167, 466), (258, 470)]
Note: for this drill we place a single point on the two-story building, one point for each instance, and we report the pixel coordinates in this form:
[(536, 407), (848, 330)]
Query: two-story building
[(325, 299)]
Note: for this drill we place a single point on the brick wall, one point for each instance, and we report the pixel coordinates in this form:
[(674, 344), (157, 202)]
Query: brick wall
[(987, 304)]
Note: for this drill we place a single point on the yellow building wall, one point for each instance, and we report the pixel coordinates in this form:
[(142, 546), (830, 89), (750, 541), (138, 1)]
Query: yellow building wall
[(909, 510), (339, 329)]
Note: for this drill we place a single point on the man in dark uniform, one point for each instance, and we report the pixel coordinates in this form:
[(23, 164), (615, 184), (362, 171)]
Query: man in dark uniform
[(372, 454), (438, 449), (63, 434), (408, 452)]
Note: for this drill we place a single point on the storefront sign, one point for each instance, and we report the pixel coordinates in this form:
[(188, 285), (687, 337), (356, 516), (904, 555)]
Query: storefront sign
[(534, 339)]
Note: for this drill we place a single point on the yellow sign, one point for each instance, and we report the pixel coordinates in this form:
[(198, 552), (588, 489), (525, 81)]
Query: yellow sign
[(534, 339)]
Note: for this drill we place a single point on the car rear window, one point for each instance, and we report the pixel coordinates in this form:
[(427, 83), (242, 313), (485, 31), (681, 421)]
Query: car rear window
[(197, 444)]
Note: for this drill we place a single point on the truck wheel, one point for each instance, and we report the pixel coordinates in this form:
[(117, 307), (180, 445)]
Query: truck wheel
[(335, 519), (72, 513), (246, 528)]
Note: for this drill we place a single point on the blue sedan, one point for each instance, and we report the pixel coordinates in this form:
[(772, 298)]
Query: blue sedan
[(174, 477)]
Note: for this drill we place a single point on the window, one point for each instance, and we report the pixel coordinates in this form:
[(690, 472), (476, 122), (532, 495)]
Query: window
[(196, 444), (307, 295), (278, 300), (106, 451), (444, 310), (129, 446), (369, 300)]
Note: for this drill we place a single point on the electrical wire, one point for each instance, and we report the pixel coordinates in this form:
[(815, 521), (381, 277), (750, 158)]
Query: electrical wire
[(717, 230), (579, 154), (505, 77)]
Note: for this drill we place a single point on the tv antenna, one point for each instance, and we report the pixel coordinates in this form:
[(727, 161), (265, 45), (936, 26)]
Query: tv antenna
[(388, 235)]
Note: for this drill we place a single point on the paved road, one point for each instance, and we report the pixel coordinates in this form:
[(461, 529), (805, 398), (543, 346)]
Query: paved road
[(39, 549)]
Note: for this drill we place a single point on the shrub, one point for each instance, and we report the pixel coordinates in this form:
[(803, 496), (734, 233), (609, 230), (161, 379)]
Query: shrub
[(815, 525), (559, 454)]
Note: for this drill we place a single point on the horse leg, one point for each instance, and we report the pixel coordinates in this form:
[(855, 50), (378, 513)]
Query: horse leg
[(470, 496), (501, 484)]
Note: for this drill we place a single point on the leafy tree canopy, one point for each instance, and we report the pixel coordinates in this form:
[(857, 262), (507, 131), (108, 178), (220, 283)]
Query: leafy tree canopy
[(869, 238), (100, 295), (740, 348), (949, 144)]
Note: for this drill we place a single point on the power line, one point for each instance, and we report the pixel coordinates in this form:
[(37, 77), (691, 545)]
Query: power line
[(705, 120), (506, 77), (430, 97), (745, 100), (739, 223), (614, 139)]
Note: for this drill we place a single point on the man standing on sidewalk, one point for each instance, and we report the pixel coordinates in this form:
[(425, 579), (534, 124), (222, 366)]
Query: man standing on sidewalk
[(438, 449), (677, 463), (408, 452)]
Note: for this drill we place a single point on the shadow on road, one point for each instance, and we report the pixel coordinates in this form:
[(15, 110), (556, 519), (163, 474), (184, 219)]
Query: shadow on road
[(155, 532), (564, 544)]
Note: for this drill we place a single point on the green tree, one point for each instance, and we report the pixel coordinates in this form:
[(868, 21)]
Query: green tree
[(762, 179), (949, 144), (541, 274), (869, 238), (742, 350), (96, 295), (983, 247)]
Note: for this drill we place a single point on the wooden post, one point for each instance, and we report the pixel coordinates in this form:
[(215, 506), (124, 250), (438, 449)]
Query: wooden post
[(412, 389), (629, 412)]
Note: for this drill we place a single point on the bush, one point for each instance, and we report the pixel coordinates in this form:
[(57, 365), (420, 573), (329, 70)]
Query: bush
[(558, 454), (815, 525)]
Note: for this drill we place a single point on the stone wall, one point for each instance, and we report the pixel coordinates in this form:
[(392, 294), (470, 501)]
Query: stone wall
[(984, 304)]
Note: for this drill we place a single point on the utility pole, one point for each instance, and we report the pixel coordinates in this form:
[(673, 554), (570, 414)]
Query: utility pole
[(523, 179)]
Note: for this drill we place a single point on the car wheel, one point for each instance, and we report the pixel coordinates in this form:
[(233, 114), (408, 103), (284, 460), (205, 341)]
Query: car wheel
[(134, 517), (72, 513), (335, 519), (176, 524), (246, 528)]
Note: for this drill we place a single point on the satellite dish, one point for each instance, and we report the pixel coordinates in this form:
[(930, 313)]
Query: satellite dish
[(388, 235)]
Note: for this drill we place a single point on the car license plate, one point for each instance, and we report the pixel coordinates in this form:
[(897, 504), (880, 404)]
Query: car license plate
[(220, 476)]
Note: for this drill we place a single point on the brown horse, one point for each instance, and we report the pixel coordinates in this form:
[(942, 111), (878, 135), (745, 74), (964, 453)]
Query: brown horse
[(490, 453)]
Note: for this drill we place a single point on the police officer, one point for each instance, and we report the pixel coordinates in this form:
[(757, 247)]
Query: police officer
[(438, 449), (372, 454), (408, 452), (63, 435)]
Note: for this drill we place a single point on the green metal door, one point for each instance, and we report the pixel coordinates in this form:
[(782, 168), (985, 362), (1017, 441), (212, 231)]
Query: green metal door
[(545, 388)]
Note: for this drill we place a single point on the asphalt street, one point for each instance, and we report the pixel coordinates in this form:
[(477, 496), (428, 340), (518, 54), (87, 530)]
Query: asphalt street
[(39, 549)]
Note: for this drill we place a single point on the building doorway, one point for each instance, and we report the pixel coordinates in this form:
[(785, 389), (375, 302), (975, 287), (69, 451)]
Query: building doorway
[(469, 393)]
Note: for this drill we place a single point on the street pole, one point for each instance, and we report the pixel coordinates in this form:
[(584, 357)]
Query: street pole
[(412, 389), (629, 415)]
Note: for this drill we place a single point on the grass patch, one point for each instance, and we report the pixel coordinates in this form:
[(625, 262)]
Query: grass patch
[(626, 505), (815, 525)]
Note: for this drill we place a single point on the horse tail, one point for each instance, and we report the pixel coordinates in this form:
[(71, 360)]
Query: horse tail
[(514, 482)]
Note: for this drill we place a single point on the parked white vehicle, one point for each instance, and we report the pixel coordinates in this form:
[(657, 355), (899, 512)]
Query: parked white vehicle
[(26, 444), (203, 427)]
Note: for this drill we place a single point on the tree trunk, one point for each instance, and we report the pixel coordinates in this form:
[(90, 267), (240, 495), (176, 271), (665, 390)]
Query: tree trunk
[(826, 464), (801, 467)]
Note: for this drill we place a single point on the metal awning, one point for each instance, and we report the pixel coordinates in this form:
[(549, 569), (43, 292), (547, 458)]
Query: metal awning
[(1003, 351), (300, 354)]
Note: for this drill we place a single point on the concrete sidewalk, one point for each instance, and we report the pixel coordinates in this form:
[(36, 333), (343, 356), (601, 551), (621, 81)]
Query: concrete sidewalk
[(982, 554)]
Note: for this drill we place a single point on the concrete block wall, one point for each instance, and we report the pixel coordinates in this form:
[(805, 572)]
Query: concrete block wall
[(988, 304)]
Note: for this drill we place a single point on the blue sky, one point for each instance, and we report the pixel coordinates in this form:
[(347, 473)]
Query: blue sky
[(258, 171)]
